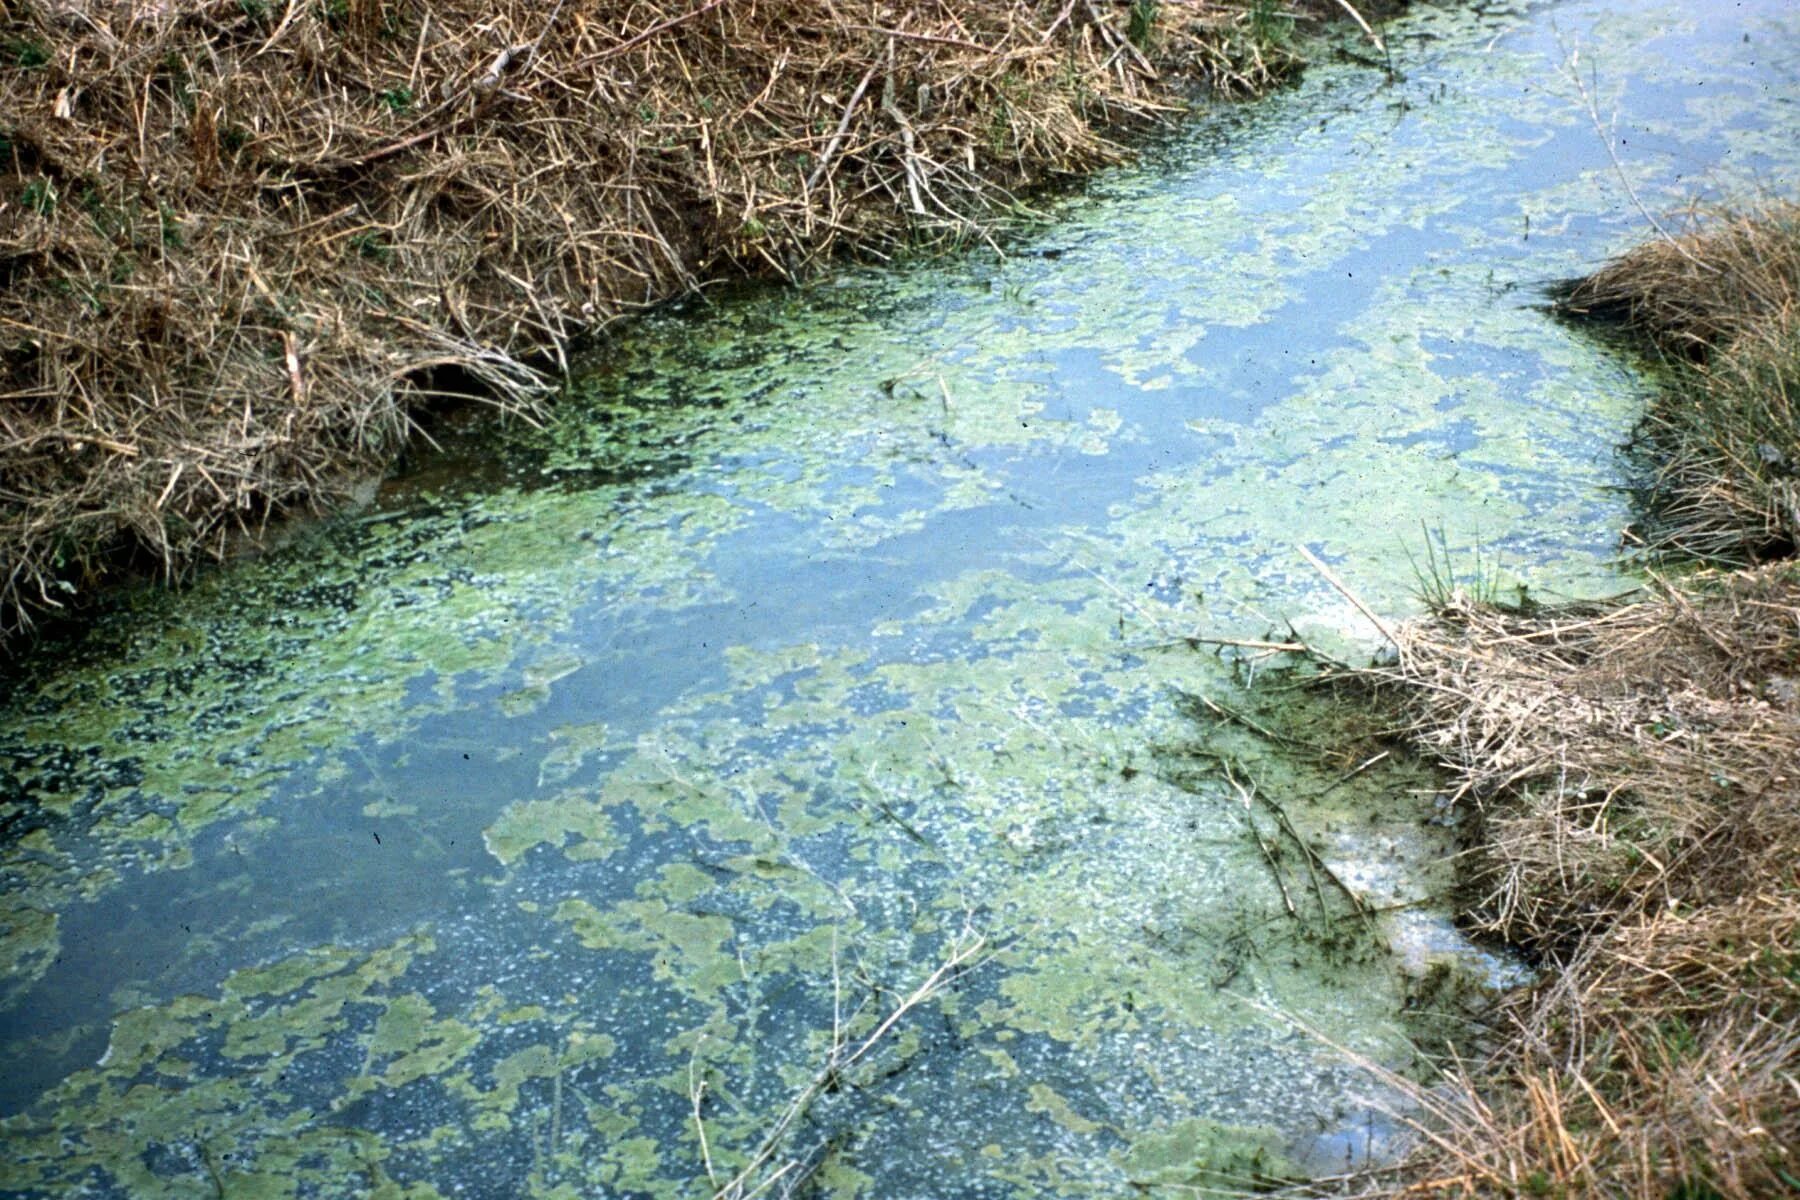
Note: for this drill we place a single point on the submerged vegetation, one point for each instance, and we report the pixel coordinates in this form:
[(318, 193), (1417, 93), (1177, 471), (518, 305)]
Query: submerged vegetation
[(241, 242), (1631, 771)]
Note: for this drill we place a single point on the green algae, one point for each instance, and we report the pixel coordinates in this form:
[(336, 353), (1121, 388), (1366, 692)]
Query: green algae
[(29, 940), (156, 1125), (572, 815), (1201, 1154), (818, 630)]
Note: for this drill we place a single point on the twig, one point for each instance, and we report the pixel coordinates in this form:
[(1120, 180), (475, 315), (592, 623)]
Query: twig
[(1233, 716), (1573, 69), (1313, 861), (843, 126), (1386, 630), (697, 1092), (646, 35), (1193, 640), (910, 161), (1374, 37), (1256, 836), (1352, 773), (836, 1063)]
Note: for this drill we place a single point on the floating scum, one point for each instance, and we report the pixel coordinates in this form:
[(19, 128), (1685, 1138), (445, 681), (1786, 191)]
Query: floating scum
[(545, 992), (241, 241)]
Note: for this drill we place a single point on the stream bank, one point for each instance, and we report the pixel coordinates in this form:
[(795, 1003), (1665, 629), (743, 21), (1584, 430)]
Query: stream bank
[(1629, 772), (242, 245)]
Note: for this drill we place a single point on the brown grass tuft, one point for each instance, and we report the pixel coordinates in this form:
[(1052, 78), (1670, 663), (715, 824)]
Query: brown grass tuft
[(1632, 774), (1726, 275), (1631, 771), (240, 238), (1604, 747), (1720, 446)]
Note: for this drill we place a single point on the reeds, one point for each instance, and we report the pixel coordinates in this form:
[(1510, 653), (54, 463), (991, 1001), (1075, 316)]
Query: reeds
[(242, 240)]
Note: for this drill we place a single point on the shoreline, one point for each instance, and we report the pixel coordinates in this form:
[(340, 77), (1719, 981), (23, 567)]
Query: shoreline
[(233, 298), (1627, 770)]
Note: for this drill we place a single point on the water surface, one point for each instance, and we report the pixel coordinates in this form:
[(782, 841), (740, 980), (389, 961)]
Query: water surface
[(578, 799)]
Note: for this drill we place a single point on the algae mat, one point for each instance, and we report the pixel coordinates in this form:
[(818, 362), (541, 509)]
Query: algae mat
[(552, 827)]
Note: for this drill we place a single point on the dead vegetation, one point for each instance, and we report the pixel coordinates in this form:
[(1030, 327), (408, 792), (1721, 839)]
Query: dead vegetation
[(242, 240), (1632, 776), (1621, 733), (1721, 446), (1630, 773)]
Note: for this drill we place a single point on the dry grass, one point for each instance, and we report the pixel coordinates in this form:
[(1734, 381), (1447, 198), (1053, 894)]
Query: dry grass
[(1631, 771), (1726, 275), (1633, 775), (240, 239), (1721, 446), (1621, 737)]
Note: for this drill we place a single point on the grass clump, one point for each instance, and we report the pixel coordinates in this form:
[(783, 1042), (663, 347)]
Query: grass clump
[(1721, 444), (301, 220), (1630, 771)]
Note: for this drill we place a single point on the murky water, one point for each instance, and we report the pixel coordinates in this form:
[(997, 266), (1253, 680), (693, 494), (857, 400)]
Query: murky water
[(551, 828)]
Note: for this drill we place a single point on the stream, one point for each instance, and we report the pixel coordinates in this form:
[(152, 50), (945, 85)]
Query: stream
[(800, 734)]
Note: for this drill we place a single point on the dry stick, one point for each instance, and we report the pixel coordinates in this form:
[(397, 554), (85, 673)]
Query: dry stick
[(1386, 630), (1120, 43), (295, 380), (935, 39), (842, 127), (1313, 861), (1370, 32), (1234, 717), (1249, 644), (734, 1190), (646, 35), (287, 18), (1192, 640), (697, 1092), (1067, 11), (910, 161), (1687, 610), (1593, 108), (483, 89), (1256, 836)]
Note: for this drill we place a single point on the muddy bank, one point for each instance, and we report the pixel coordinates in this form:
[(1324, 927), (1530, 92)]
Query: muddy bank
[(241, 243), (1630, 775)]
